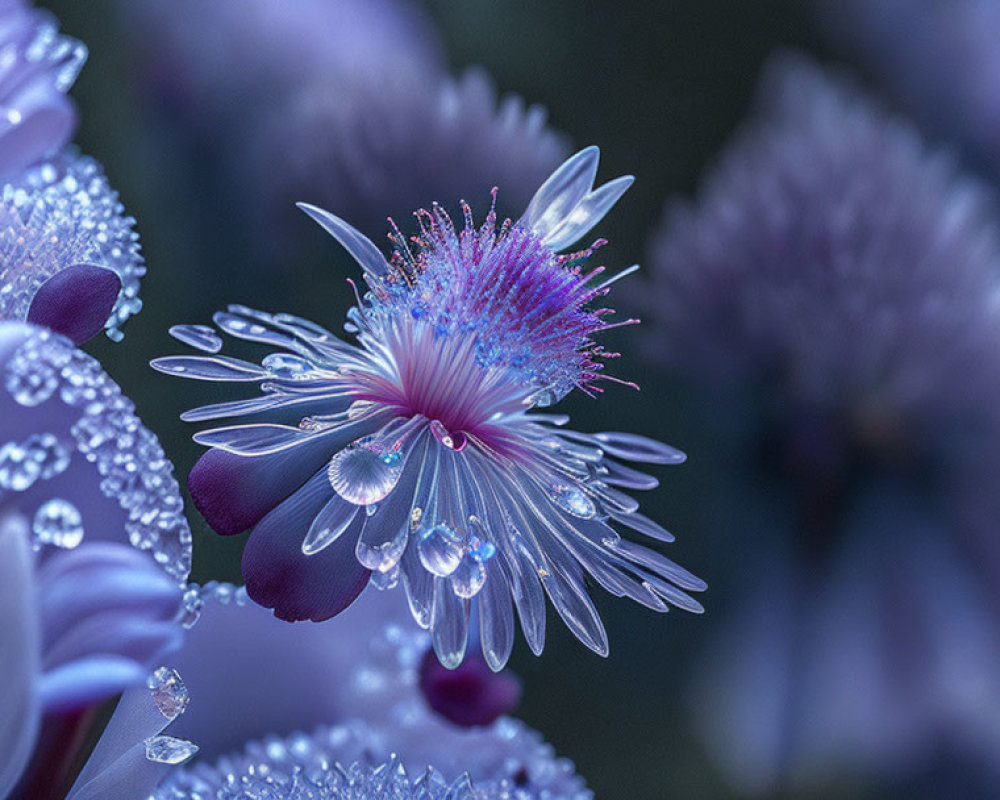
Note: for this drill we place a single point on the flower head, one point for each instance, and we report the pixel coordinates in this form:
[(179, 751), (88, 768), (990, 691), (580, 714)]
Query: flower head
[(837, 281), (39, 66), (70, 254), (419, 456)]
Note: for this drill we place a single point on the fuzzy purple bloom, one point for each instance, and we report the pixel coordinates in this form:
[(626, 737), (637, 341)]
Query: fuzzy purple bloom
[(938, 58), (39, 66), (847, 274), (397, 142), (70, 254), (419, 456)]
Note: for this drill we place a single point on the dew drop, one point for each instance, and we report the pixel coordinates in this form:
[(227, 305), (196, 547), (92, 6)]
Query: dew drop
[(365, 471), (573, 500), (469, 577), (168, 692), (18, 470), (440, 550), (385, 580), (287, 366), (169, 750), (58, 522), (453, 441)]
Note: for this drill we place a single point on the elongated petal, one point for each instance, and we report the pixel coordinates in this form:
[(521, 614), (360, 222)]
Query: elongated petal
[(361, 248), (559, 195)]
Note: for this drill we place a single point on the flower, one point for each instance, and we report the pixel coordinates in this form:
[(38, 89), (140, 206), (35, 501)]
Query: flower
[(419, 455), (70, 255), (84, 489), (939, 59), (391, 143), (40, 65), (354, 683), (834, 289)]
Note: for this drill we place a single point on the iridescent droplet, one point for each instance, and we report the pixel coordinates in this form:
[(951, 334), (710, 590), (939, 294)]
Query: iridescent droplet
[(168, 692), (385, 580), (453, 441), (469, 577), (18, 470), (58, 522), (191, 607), (365, 471), (573, 500), (51, 455), (440, 550), (169, 750), (287, 366)]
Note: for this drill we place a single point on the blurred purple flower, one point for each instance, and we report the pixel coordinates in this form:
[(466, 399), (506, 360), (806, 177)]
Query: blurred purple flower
[(417, 455), (849, 277), (397, 142), (86, 487), (70, 255), (231, 58), (938, 58), (235, 682), (39, 66)]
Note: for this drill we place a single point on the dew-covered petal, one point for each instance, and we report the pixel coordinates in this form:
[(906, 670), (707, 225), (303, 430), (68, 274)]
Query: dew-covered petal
[(19, 652), (76, 302), (280, 576), (361, 248)]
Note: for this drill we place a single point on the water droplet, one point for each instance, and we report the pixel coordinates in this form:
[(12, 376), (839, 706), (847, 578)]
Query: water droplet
[(416, 514), (191, 607), (18, 470), (573, 500), (58, 522), (453, 441), (440, 550), (51, 455), (287, 367), (385, 580), (469, 577), (201, 337), (169, 692), (168, 750), (365, 471)]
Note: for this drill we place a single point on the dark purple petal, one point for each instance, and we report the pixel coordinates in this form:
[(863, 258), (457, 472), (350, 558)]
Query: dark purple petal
[(280, 576), (76, 302), (470, 695)]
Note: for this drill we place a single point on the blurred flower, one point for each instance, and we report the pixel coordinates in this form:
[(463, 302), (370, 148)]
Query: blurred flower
[(235, 682), (400, 141), (70, 255), (83, 489), (38, 67), (417, 454), (939, 58), (206, 61), (839, 283)]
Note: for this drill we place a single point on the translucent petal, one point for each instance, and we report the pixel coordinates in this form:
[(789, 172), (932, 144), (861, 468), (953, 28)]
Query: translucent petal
[(334, 518), (209, 368), (569, 596), (254, 440), (419, 586), (633, 447), (356, 243), (561, 192), (200, 337), (449, 624), (587, 213), (496, 617), (628, 478), (644, 525), (661, 565)]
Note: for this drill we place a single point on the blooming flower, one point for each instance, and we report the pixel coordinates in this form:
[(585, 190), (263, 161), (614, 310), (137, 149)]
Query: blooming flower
[(394, 142), (70, 255), (84, 488), (836, 282), (39, 66), (420, 453), (354, 683)]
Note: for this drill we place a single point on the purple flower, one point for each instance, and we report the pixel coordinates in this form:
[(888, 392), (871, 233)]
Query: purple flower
[(939, 58), (233, 682), (419, 455), (228, 58), (836, 283), (39, 66), (84, 488), (391, 143), (70, 255)]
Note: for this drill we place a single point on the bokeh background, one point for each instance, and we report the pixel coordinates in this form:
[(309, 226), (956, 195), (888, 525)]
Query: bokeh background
[(660, 85)]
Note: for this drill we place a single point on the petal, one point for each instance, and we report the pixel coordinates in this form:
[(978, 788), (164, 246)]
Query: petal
[(470, 695), (280, 576), (588, 212), (361, 248), (86, 681), (19, 707), (47, 122), (561, 192), (76, 302)]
